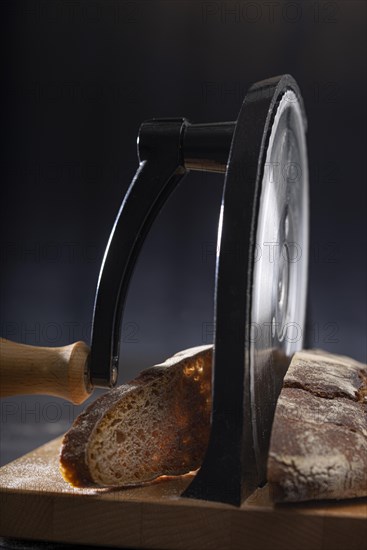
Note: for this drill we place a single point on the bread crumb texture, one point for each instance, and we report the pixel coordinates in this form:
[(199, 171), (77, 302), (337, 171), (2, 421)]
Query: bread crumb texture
[(156, 425)]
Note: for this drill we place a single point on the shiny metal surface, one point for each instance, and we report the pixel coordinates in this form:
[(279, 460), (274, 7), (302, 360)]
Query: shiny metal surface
[(280, 271)]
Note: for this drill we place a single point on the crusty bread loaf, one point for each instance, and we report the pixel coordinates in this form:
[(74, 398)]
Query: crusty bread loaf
[(318, 447), (158, 424)]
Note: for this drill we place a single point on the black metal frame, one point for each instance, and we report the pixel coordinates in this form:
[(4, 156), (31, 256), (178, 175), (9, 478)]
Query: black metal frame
[(167, 150), (161, 169), (229, 472)]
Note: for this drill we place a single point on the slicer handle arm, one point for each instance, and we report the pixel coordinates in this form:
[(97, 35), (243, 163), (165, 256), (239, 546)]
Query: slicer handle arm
[(167, 149), (160, 170), (58, 371)]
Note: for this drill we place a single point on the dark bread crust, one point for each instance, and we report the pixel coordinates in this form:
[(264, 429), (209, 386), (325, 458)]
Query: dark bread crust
[(73, 453), (318, 446)]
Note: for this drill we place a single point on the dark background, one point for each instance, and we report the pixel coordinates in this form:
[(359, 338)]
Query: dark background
[(80, 77)]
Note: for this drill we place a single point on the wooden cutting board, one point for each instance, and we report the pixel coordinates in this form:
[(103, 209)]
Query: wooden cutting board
[(36, 503)]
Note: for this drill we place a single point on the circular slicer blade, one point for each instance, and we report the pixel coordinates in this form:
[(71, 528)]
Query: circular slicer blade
[(279, 283)]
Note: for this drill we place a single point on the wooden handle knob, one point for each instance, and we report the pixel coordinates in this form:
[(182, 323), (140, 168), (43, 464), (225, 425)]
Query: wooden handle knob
[(62, 372)]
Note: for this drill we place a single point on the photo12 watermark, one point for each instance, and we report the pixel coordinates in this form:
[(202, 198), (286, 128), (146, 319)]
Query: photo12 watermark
[(54, 91), (287, 332), (53, 332), (269, 12), (125, 12), (327, 252), (48, 252), (36, 411)]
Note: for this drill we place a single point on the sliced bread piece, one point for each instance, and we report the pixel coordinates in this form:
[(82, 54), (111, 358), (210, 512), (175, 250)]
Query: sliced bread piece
[(318, 447), (158, 424)]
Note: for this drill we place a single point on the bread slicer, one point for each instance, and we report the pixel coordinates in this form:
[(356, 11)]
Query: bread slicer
[(261, 271)]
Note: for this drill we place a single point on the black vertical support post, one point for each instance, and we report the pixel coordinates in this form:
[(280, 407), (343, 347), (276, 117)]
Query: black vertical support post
[(229, 472)]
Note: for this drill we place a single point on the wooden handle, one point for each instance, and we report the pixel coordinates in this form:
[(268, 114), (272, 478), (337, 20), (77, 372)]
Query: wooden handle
[(62, 372)]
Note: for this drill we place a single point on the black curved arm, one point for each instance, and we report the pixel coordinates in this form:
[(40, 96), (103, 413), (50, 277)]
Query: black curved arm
[(161, 169), (167, 150)]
